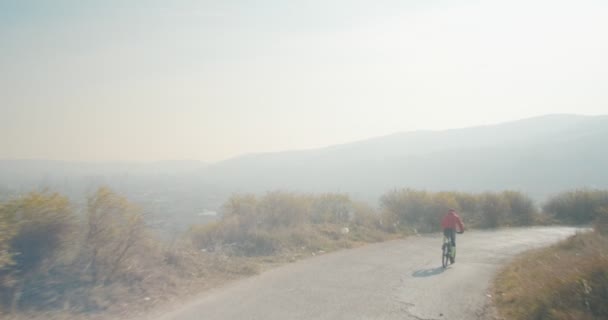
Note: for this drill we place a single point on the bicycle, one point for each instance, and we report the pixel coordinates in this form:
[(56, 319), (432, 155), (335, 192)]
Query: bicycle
[(448, 251)]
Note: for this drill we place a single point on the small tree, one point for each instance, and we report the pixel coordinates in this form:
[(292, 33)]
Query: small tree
[(115, 227), (40, 225)]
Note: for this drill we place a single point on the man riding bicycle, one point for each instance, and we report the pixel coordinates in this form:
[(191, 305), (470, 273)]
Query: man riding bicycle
[(450, 222)]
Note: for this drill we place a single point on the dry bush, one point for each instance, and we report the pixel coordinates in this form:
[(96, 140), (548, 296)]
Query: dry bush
[(566, 281), (365, 234), (578, 206), (364, 215), (206, 236), (118, 260), (7, 231), (408, 206), (331, 208), (367, 225), (523, 212), (495, 209), (115, 228), (105, 260), (41, 225), (390, 221), (601, 220), (423, 210), (281, 222), (279, 209)]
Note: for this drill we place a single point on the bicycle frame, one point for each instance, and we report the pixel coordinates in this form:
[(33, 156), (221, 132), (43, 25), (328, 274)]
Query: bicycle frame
[(446, 251)]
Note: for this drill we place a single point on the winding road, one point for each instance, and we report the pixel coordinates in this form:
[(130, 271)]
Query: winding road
[(400, 279)]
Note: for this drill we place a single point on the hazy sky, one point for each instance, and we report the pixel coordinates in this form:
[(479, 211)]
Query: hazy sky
[(155, 80)]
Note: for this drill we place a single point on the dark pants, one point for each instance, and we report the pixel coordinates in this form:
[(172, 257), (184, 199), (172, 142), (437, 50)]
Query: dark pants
[(450, 234)]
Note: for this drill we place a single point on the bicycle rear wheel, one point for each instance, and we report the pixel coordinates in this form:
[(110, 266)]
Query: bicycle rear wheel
[(445, 255)]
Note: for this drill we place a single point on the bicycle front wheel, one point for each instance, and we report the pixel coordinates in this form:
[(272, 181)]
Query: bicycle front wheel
[(445, 256)]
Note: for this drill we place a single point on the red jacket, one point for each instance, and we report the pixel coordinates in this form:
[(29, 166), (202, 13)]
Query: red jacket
[(451, 220)]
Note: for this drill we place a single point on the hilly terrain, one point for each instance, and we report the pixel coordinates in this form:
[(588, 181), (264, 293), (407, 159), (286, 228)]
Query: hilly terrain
[(539, 156)]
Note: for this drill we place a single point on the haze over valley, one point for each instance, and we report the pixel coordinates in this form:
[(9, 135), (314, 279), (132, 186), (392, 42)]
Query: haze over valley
[(539, 156), (151, 151)]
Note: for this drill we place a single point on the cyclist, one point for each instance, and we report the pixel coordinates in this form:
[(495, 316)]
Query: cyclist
[(451, 223)]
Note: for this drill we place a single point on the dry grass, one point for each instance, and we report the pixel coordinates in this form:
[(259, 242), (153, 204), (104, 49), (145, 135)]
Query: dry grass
[(111, 266), (566, 281), (186, 272), (183, 273), (281, 223)]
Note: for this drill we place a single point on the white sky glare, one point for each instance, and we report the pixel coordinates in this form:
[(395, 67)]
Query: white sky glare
[(208, 80)]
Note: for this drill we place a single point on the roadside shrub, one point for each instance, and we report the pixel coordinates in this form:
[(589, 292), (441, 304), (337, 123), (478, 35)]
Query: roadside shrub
[(206, 235), (495, 210), (7, 231), (260, 243), (389, 221), (407, 206), (105, 260), (423, 210), (522, 209), (280, 222), (364, 215), (41, 225), (578, 206), (115, 227), (281, 209), (566, 281), (53, 260), (331, 208), (601, 220)]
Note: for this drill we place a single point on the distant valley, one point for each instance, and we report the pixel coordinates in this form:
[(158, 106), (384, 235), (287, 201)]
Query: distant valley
[(539, 156)]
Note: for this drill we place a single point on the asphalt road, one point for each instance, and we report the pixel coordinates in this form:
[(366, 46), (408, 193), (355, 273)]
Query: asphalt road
[(393, 280)]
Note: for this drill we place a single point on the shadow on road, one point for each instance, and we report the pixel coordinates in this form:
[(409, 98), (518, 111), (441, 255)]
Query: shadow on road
[(428, 272)]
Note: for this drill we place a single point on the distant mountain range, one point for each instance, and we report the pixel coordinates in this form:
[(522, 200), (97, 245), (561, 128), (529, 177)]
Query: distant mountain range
[(539, 155)]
